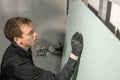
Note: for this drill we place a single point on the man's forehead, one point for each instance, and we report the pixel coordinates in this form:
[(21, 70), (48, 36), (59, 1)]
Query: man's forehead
[(26, 27), (23, 26)]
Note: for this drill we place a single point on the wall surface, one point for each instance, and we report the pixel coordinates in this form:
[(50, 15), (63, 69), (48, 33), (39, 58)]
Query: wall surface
[(48, 18), (49, 21), (115, 1), (100, 58), (8, 9)]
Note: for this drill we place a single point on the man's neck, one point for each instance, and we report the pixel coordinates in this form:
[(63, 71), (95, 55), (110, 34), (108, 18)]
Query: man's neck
[(24, 47)]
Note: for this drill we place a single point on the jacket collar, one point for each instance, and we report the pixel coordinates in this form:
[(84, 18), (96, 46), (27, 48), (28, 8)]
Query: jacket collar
[(20, 50)]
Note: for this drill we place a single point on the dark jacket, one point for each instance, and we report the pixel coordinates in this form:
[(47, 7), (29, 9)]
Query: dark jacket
[(17, 64)]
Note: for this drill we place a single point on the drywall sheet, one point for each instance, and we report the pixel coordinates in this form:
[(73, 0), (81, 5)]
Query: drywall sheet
[(100, 58)]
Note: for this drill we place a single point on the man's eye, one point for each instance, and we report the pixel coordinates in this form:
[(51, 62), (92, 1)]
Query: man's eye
[(31, 32)]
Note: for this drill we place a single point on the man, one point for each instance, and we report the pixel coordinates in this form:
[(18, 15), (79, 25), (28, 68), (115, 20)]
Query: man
[(17, 62)]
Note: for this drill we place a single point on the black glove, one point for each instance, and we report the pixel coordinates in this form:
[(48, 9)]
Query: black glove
[(77, 44)]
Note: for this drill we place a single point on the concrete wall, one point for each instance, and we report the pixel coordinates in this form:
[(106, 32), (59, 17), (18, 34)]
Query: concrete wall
[(48, 18), (10, 8), (100, 58)]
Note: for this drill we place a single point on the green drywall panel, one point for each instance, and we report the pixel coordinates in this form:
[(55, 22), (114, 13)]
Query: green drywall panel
[(100, 58)]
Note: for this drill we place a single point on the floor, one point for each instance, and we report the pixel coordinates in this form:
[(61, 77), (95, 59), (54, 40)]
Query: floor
[(49, 62)]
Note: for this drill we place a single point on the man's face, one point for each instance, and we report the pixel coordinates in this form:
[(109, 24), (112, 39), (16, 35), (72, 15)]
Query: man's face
[(29, 36)]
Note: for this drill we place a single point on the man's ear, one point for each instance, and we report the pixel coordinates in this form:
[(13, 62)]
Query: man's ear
[(17, 40)]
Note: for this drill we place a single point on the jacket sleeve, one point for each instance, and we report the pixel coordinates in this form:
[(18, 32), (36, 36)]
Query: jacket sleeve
[(26, 70), (67, 70)]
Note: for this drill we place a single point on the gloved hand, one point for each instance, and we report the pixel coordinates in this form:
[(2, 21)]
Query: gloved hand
[(77, 44)]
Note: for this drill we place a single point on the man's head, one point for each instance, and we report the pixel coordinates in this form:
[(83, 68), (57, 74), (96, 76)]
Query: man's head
[(20, 30)]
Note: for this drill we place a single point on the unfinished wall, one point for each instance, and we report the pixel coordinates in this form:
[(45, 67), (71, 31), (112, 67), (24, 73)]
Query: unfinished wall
[(100, 58)]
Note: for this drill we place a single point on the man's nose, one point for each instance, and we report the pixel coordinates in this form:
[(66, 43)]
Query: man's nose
[(35, 34)]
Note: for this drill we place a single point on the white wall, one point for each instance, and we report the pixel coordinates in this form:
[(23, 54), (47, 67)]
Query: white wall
[(115, 17), (116, 2)]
